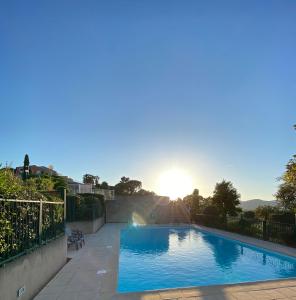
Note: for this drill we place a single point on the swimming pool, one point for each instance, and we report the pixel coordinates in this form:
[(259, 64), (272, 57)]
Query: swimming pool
[(160, 257)]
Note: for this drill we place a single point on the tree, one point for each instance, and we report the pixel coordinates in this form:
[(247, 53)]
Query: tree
[(249, 214), (265, 211), (26, 167), (143, 192), (91, 179), (104, 185), (12, 187), (286, 194), (226, 199), (124, 179), (60, 183), (44, 183), (211, 210), (127, 186), (290, 174), (193, 202)]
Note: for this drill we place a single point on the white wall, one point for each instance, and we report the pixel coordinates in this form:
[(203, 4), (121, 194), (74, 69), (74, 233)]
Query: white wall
[(33, 271), (87, 226)]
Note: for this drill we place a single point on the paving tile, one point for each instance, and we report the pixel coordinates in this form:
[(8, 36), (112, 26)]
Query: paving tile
[(211, 297), (69, 296), (80, 284), (60, 281), (154, 296), (229, 297), (127, 296), (285, 283), (89, 296), (191, 293), (258, 295), (170, 294), (46, 297), (242, 296), (53, 291), (287, 292), (274, 293)]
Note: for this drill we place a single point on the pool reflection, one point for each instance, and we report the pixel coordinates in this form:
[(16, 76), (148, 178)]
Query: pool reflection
[(226, 253), (141, 241), (220, 247)]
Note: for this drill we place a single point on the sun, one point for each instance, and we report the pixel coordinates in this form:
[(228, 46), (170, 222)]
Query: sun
[(174, 183)]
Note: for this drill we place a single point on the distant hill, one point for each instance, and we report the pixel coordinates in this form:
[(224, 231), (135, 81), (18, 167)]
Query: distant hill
[(254, 203)]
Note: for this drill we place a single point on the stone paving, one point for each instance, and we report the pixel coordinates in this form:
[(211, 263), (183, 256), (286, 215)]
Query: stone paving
[(92, 274)]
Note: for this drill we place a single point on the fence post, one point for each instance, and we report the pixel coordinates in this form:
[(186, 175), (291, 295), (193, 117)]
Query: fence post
[(93, 211), (40, 221), (226, 221), (264, 228), (105, 212), (65, 205)]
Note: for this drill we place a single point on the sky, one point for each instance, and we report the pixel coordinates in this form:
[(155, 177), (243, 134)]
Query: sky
[(133, 88)]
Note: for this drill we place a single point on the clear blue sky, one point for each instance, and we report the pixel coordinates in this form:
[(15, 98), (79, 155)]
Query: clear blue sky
[(132, 87)]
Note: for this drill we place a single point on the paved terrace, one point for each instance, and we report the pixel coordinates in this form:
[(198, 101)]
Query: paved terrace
[(78, 279)]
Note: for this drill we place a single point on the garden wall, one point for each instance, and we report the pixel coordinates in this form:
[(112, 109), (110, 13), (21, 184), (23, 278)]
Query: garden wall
[(32, 271), (87, 227), (145, 210)]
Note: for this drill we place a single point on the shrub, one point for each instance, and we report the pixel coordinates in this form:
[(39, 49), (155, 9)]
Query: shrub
[(289, 238), (286, 217), (245, 226), (265, 211), (234, 226), (211, 210), (18, 230), (209, 220), (12, 187), (249, 214), (84, 207)]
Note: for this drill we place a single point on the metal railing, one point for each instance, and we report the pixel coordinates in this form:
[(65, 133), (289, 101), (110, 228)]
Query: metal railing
[(280, 232), (270, 231), (27, 224), (85, 207)]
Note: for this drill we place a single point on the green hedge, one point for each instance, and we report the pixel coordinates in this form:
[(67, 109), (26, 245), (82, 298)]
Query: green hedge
[(245, 226), (209, 220), (85, 207), (19, 227)]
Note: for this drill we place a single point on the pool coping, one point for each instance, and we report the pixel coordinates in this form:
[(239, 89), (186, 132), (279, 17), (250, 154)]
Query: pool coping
[(78, 279)]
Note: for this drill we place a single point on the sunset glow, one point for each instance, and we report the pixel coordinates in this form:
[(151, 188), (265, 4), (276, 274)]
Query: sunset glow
[(174, 183)]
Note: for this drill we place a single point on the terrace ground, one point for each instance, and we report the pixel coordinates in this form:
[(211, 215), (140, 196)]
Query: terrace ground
[(81, 278)]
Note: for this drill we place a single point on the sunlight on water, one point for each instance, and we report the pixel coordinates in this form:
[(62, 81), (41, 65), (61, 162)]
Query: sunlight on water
[(137, 219)]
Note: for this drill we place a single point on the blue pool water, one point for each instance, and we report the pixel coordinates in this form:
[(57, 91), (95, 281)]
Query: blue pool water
[(171, 257)]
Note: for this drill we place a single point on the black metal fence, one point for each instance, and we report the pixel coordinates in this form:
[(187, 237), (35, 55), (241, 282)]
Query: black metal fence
[(270, 231), (27, 224), (280, 232), (85, 207)]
